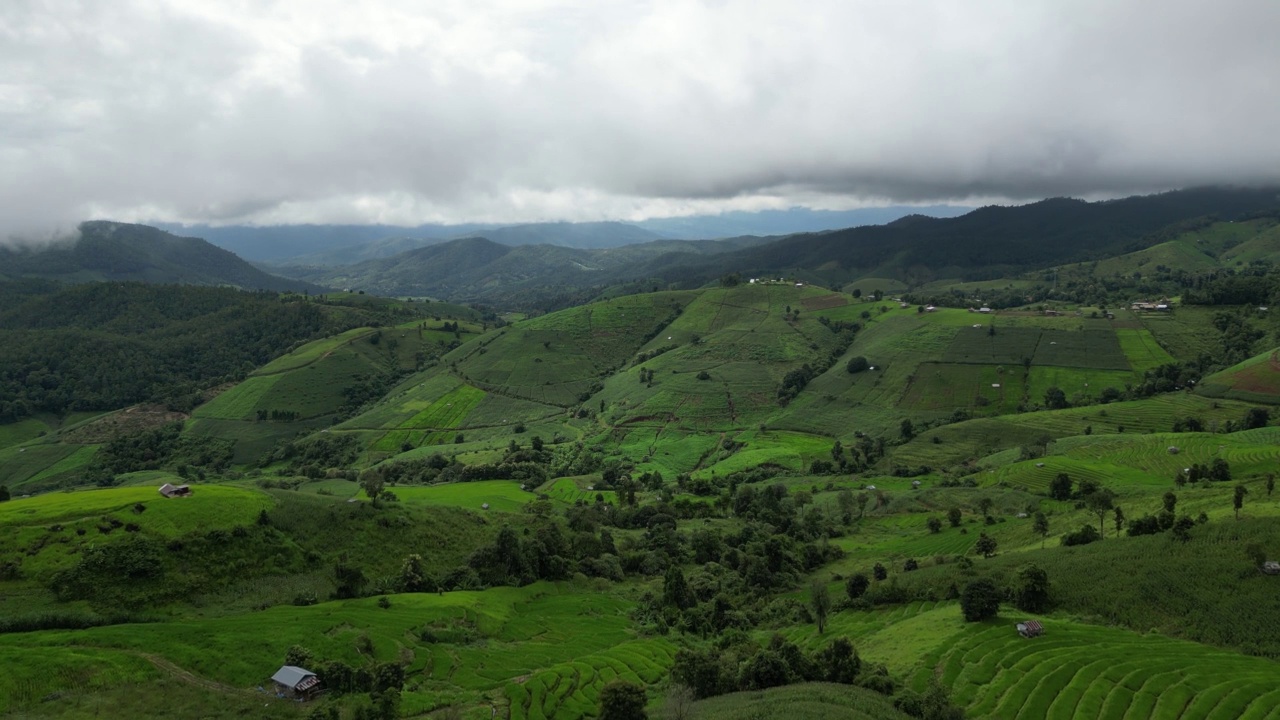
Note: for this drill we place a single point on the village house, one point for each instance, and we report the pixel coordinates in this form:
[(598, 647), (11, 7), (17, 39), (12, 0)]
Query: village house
[(170, 491), (295, 682)]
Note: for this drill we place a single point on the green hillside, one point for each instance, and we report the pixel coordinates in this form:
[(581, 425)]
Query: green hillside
[(760, 499)]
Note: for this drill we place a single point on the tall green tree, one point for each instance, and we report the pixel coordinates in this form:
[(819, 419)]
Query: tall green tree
[(979, 600), (856, 586), (820, 603), (413, 575), (986, 545), (622, 700), (953, 516), (675, 590), (1237, 499), (372, 483), (838, 662), (1055, 398), (1060, 487), (1041, 527), (1100, 502), (1032, 593)]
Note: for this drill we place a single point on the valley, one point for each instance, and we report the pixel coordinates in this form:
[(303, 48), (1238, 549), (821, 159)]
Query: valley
[(747, 494)]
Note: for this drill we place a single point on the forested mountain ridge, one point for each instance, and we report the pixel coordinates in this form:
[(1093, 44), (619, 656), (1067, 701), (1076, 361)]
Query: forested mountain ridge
[(987, 243), (111, 251), (102, 346)]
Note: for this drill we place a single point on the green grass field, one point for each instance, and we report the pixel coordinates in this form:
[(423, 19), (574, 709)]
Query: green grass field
[(49, 531)]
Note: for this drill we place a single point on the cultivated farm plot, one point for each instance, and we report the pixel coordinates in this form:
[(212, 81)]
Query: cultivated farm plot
[(1142, 350), (499, 495), (1096, 348), (1008, 346), (1084, 671), (1185, 333), (446, 413), (41, 464), (942, 387)]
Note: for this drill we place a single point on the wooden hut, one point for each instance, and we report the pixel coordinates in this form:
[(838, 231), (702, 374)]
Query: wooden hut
[(169, 490), (1030, 628)]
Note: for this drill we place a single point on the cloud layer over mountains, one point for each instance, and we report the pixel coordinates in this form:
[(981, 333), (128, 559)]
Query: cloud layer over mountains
[(448, 111)]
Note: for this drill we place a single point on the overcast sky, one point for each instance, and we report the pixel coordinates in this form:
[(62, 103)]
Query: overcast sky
[(263, 112)]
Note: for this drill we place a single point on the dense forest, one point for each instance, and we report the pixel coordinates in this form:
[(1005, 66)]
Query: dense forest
[(103, 346)]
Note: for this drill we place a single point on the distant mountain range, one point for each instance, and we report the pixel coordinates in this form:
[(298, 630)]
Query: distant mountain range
[(348, 244), (549, 265), (986, 243), (111, 251), (524, 276)]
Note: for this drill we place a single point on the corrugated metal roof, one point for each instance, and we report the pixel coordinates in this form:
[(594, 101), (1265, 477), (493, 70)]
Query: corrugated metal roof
[(291, 676)]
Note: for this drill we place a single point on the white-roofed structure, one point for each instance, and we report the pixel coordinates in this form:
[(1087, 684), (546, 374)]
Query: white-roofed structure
[(295, 682)]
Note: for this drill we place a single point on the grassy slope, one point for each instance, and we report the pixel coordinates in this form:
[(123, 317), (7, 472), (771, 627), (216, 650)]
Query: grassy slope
[(1254, 380)]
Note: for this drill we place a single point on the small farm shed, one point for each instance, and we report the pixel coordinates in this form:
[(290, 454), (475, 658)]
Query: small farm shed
[(1030, 628), (1271, 567), (169, 490), (295, 682)]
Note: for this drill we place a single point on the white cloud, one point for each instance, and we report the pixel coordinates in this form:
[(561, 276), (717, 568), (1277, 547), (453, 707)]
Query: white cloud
[(405, 112)]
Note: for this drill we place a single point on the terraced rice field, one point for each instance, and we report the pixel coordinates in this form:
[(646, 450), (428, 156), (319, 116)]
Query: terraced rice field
[(1083, 671), (572, 689)]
